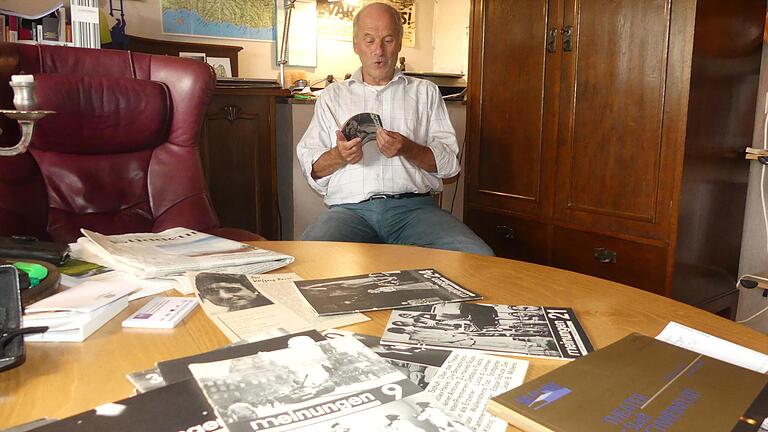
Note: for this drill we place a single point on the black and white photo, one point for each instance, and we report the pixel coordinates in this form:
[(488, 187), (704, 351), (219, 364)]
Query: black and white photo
[(383, 290), (363, 126), (533, 331), (229, 292)]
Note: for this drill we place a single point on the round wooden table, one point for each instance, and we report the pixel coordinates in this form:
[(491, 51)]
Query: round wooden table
[(62, 379)]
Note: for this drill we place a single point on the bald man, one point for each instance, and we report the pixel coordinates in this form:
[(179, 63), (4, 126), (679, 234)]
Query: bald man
[(382, 191)]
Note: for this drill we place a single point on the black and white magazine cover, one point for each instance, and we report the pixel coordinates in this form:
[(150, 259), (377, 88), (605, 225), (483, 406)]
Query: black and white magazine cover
[(363, 126), (418, 363), (531, 331), (384, 290), (266, 391)]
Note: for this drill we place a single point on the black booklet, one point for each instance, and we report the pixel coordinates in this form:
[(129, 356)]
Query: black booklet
[(361, 125), (531, 331), (385, 290), (176, 407)]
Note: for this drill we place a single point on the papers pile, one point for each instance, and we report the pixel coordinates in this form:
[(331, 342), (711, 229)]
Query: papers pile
[(76, 313), (159, 261)]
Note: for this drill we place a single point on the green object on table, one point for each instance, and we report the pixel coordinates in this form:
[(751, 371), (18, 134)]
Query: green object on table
[(36, 272)]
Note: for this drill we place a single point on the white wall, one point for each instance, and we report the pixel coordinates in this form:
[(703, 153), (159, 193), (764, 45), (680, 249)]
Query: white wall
[(257, 59)]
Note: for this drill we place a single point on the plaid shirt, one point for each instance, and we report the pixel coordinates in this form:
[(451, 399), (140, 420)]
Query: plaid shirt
[(410, 106)]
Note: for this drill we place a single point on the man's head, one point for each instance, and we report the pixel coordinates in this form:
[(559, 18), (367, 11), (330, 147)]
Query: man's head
[(227, 290), (377, 39)]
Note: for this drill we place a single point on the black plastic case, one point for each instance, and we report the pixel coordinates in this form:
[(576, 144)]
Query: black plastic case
[(12, 354)]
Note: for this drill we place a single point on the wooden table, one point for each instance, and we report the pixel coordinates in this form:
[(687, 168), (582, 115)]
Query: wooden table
[(59, 380)]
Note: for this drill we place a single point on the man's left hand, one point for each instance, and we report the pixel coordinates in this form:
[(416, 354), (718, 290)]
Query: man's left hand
[(393, 144)]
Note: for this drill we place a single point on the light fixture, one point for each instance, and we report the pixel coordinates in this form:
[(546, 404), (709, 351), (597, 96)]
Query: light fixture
[(289, 5)]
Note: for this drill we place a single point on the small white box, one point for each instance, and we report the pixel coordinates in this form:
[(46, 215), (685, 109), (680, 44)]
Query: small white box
[(161, 312)]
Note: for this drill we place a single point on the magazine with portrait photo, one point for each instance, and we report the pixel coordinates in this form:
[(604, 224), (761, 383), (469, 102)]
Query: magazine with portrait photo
[(531, 331), (382, 290)]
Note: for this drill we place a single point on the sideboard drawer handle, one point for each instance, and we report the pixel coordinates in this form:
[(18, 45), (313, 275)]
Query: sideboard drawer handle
[(505, 232), (231, 112), (605, 256)]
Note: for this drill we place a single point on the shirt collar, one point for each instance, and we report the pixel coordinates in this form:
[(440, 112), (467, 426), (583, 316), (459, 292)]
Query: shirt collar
[(357, 77)]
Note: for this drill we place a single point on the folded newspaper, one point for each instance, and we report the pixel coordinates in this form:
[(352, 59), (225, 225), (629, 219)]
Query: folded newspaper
[(176, 251)]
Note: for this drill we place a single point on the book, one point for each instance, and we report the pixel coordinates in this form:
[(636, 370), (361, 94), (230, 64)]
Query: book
[(72, 327), (177, 370), (638, 384), (74, 314), (531, 331), (363, 126), (161, 312), (175, 407), (384, 290)]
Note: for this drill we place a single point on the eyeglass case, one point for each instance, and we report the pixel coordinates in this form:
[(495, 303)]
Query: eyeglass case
[(12, 354)]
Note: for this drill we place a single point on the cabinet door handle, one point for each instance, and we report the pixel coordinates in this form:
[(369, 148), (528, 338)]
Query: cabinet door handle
[(568, 39), (605, 256), (231, 112), (505, 232), (552, 40)]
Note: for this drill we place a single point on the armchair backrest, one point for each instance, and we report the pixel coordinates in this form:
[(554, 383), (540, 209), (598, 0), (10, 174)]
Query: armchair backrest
[(121, 154)]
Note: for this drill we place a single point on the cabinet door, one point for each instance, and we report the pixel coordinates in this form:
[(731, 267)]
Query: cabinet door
[(613, 162), (511, 129), (238, 157)]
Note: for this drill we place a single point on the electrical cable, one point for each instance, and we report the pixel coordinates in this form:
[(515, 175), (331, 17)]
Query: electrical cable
[(458, 179), (762, 199), (753, 316)]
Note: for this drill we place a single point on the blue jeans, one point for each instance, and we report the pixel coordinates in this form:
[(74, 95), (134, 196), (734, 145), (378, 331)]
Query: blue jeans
[(407, 221)]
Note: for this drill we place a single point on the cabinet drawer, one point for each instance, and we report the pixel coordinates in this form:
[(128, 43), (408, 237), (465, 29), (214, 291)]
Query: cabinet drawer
[(510, 237), (636, 264)]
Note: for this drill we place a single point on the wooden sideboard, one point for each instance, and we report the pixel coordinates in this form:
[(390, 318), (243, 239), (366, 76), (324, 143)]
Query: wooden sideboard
[(237, 148), (237, 145), (601, 148)]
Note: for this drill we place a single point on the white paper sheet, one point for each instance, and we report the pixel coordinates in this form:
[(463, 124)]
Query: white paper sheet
[(712, 346), (467, 380)]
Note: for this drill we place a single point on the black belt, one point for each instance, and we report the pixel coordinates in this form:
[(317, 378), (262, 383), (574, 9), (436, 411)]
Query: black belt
[(397, 196)]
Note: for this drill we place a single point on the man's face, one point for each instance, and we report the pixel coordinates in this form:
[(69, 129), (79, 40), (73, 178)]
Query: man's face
[(377, 43), (231, 294)]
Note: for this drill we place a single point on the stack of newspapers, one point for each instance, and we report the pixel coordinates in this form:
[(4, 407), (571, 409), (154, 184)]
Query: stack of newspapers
[(172, 253)]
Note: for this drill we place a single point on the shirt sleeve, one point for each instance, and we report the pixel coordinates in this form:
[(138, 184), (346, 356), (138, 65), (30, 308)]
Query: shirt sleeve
[(315, 142), (442, 137)]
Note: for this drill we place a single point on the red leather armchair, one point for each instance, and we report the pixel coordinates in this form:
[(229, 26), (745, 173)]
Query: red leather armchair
[(121, 153)]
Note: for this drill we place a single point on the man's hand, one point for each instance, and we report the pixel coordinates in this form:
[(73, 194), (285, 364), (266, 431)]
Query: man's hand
[(350, 151), (393, 144), (345, 152)]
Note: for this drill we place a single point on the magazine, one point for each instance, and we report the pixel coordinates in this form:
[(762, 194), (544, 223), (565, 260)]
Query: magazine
[(333, 385), (177, 370), (175, 251), (384, 290), (531, 331), (419, 364), (246, 306), (363, 125), (176, 407)]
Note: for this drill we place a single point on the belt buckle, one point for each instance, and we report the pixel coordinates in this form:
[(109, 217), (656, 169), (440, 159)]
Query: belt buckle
[(378, 196)]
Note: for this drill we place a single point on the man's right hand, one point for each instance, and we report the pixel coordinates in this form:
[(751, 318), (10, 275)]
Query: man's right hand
[(350, 151), (345, 152)]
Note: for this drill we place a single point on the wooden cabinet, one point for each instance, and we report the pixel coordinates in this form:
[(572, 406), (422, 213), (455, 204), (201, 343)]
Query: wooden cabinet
[(238, 154), (604, 133)]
